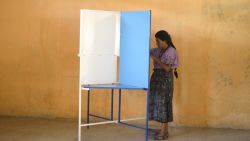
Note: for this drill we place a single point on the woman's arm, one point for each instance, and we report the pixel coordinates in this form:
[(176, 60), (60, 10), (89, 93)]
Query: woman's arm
[(152, 51), (166, 67)]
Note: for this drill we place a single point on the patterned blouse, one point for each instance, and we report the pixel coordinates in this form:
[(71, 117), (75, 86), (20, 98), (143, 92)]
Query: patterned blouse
[(169, 57)]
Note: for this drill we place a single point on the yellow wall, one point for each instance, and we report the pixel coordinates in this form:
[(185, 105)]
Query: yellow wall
[(39, 65)]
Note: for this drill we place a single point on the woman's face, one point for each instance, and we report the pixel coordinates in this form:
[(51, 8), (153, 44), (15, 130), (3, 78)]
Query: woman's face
[(161, 44)]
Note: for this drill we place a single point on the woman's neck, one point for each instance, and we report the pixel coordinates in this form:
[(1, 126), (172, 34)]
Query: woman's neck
[(166, 47)]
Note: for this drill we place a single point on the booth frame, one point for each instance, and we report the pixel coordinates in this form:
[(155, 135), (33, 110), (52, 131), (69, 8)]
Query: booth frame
[(113, 87)]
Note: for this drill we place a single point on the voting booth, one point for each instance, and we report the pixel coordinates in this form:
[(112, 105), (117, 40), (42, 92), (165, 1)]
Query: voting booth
[(114, 54)]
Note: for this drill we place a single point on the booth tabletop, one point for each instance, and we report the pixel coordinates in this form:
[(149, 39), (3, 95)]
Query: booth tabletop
[(113, 86)]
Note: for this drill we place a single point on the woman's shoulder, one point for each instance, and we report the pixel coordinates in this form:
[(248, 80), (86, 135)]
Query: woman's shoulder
[(170, 51)]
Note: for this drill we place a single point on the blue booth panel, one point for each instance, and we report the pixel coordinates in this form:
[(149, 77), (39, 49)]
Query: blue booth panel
[(134, 48)]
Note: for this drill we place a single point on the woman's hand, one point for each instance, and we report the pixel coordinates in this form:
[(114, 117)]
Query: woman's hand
[(155, 58)]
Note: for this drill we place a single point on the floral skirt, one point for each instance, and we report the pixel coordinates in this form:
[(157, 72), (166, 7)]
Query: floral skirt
[(161, 95)]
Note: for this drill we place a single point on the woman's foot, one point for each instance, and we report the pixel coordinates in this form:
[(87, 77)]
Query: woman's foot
[(154, 131), (162, 136)]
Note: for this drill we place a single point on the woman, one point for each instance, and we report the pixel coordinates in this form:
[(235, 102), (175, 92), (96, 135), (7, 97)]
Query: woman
[(165, 59)]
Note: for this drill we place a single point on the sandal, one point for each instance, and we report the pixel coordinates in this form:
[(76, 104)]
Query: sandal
[(161, 137)]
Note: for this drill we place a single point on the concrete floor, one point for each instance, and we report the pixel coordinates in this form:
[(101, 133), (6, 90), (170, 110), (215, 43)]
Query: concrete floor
[(29, 129)]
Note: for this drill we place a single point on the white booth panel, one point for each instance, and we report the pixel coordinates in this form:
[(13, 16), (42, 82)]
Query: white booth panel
[(100, 32), (98, 69)]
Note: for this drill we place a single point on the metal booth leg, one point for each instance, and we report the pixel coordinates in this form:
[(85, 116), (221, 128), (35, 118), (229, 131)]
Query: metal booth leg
[(119, 106), (88, 108)]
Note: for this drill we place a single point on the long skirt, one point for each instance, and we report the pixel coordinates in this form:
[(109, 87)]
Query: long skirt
[(161, 95)]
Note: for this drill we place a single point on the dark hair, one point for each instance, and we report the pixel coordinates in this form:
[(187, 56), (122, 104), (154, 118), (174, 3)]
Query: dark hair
[(164, 36)]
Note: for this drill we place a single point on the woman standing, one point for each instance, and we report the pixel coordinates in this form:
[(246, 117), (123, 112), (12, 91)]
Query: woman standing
[(165, 59)]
